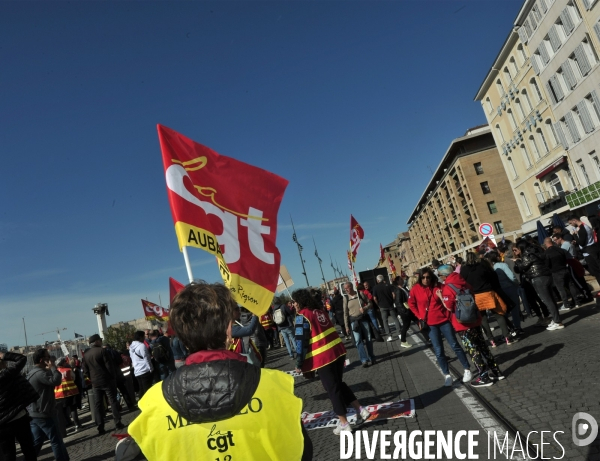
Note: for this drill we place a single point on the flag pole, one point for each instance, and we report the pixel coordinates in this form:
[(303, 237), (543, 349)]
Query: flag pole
[(188, 266), (295, 239), (319, 259)]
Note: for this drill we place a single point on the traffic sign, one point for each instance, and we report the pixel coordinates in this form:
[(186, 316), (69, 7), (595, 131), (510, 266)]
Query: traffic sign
[(486, 229)]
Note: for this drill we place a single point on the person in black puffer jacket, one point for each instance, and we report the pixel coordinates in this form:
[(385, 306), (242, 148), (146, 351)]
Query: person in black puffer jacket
[(533, 265), (15, 395)]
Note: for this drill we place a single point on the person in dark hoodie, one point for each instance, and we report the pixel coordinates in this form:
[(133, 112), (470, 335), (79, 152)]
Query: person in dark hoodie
[(44, 377), (218, 405), (15, 394), (286, 328)]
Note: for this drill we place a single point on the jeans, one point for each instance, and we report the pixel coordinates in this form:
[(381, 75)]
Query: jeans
[(363, 333), (19, 430), (47, 428), (513, 293), (543, 287), (561, 280), (435, 334), (288, 339), (385, 313), (523, 297), (373, 320)]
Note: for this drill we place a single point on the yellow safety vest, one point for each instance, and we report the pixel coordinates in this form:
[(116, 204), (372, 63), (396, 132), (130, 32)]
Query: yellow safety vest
[(268, 428)]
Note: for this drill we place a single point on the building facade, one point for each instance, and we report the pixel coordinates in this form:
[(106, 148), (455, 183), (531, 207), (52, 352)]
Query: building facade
[(469, 187)]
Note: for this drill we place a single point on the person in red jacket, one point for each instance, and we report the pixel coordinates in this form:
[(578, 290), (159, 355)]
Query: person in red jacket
[(426, 303), (470, 334)]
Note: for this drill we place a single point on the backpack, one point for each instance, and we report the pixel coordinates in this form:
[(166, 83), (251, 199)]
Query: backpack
[(466, 309), (159, 353), (279, 317)]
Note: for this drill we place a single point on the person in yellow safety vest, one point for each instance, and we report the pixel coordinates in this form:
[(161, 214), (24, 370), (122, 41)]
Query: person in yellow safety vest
[(67, 391), (217, 406), (319, 347), (269, 326)]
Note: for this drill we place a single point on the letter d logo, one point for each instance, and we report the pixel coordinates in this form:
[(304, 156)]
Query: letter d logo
[(579, 428)]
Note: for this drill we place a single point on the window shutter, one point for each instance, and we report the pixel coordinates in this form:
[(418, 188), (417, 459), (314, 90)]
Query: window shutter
[(544, 52), (567, 21), (597, 29), (527, 27), (543, 6), (561, 136), (550, 92), (596, 100), (533, 20), (534, 63), (523, 34), (572, 126), (558, 91), (569, 74), (587, 4), (586, 118), (582, 60), (554, 38)]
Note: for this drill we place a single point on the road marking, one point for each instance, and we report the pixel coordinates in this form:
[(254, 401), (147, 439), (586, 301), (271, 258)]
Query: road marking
[(478, 411)]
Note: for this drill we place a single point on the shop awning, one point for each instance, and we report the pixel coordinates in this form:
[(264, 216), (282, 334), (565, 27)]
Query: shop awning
[(551, 168)]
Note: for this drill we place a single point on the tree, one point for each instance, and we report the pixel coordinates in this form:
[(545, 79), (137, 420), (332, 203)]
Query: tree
[(117, 336)]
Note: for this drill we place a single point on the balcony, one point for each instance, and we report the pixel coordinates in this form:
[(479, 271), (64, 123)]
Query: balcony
[(584, 196), (549, 202)]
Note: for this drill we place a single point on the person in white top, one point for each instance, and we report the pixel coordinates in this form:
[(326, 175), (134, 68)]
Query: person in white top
[(142, 362)]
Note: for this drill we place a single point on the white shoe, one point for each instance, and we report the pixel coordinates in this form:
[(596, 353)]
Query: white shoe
[(405, 344), (363, 416), (390, 339), (467, 377), (341, 428), (555, 326), (447, 380), (564, 309)]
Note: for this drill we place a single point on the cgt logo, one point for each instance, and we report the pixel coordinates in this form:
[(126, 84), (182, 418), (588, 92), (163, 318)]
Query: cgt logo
[(218, 441), (579, 428)]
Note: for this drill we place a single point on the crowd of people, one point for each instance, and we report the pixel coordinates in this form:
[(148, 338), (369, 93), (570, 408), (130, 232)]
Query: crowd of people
[(211, 368)]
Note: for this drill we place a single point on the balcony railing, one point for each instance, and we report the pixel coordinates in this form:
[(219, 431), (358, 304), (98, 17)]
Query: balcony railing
[(551, 203)]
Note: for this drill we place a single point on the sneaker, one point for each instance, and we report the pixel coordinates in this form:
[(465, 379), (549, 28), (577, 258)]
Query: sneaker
[(498, 376), (467, 376), (342, 428), (363, 416), (492, 343), (405, 344), (511, 341), (365, 364), (447, 380), (390, 339), (482, 381), (555, 326), (577, 306), (564, 309)]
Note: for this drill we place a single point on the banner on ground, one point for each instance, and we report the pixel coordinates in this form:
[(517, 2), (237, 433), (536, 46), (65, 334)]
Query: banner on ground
[(379, 412), (229, 209), (356, 235), (285, 279), (154, 311)]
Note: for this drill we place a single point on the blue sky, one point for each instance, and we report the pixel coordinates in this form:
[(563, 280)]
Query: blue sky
[(349, 101)]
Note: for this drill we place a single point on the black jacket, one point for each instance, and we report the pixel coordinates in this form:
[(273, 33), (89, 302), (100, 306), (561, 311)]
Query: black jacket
[(15, 391), (556, 259), (287, 314), (99, 366), (337, 303), (532, 264)]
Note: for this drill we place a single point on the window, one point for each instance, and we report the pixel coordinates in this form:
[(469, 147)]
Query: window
[(525, 156), (585, 57), (526, 102), (478, 168), (485, 188), (522, 54), (539, 194), (533, 146), (570, 175), (594, 103), (499, 227), (596, 162), (540, 134), (555, 184), (514, 66), (500, 87), (507, 75), (536, 90), (552, 134), (492, 207), (511, 119), (520, 109), (500, 135), (512, 168), (490, 108), (525, 204), (554, 36), (586, 179)]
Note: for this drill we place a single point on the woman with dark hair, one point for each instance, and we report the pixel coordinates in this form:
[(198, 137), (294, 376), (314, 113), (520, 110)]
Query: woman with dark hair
[(426, 303), (488, 294), (532, 263), (401, 302), (318, 347), (510, 286)]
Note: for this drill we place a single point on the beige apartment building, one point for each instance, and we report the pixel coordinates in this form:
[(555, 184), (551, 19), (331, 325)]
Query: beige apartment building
[(563, 39), (469, 187), (400, 251)]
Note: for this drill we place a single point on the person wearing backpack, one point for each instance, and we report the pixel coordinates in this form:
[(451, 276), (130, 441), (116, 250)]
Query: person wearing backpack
[(284, 318), (162, 354), (456, 296), (426, 303)]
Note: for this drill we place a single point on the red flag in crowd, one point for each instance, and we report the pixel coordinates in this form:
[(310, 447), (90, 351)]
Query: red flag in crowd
[(381, 255), (356, 235), (154, 311), (349, 260), (227, 208), (392, 267), (174, 288)]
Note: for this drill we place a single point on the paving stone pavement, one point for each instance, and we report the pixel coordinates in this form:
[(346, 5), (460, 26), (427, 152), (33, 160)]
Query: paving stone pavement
[(550, 377)]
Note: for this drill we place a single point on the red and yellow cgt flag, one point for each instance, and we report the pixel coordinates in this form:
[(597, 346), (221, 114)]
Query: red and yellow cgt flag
[(154, 311), (356, 235), (392, 267), (227, 208)]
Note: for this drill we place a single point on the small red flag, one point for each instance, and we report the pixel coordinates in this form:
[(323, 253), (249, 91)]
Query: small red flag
[(174, 288), (356, 236)]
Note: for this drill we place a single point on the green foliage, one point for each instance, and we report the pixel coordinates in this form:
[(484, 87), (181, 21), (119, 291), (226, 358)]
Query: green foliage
[(117, 336)]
